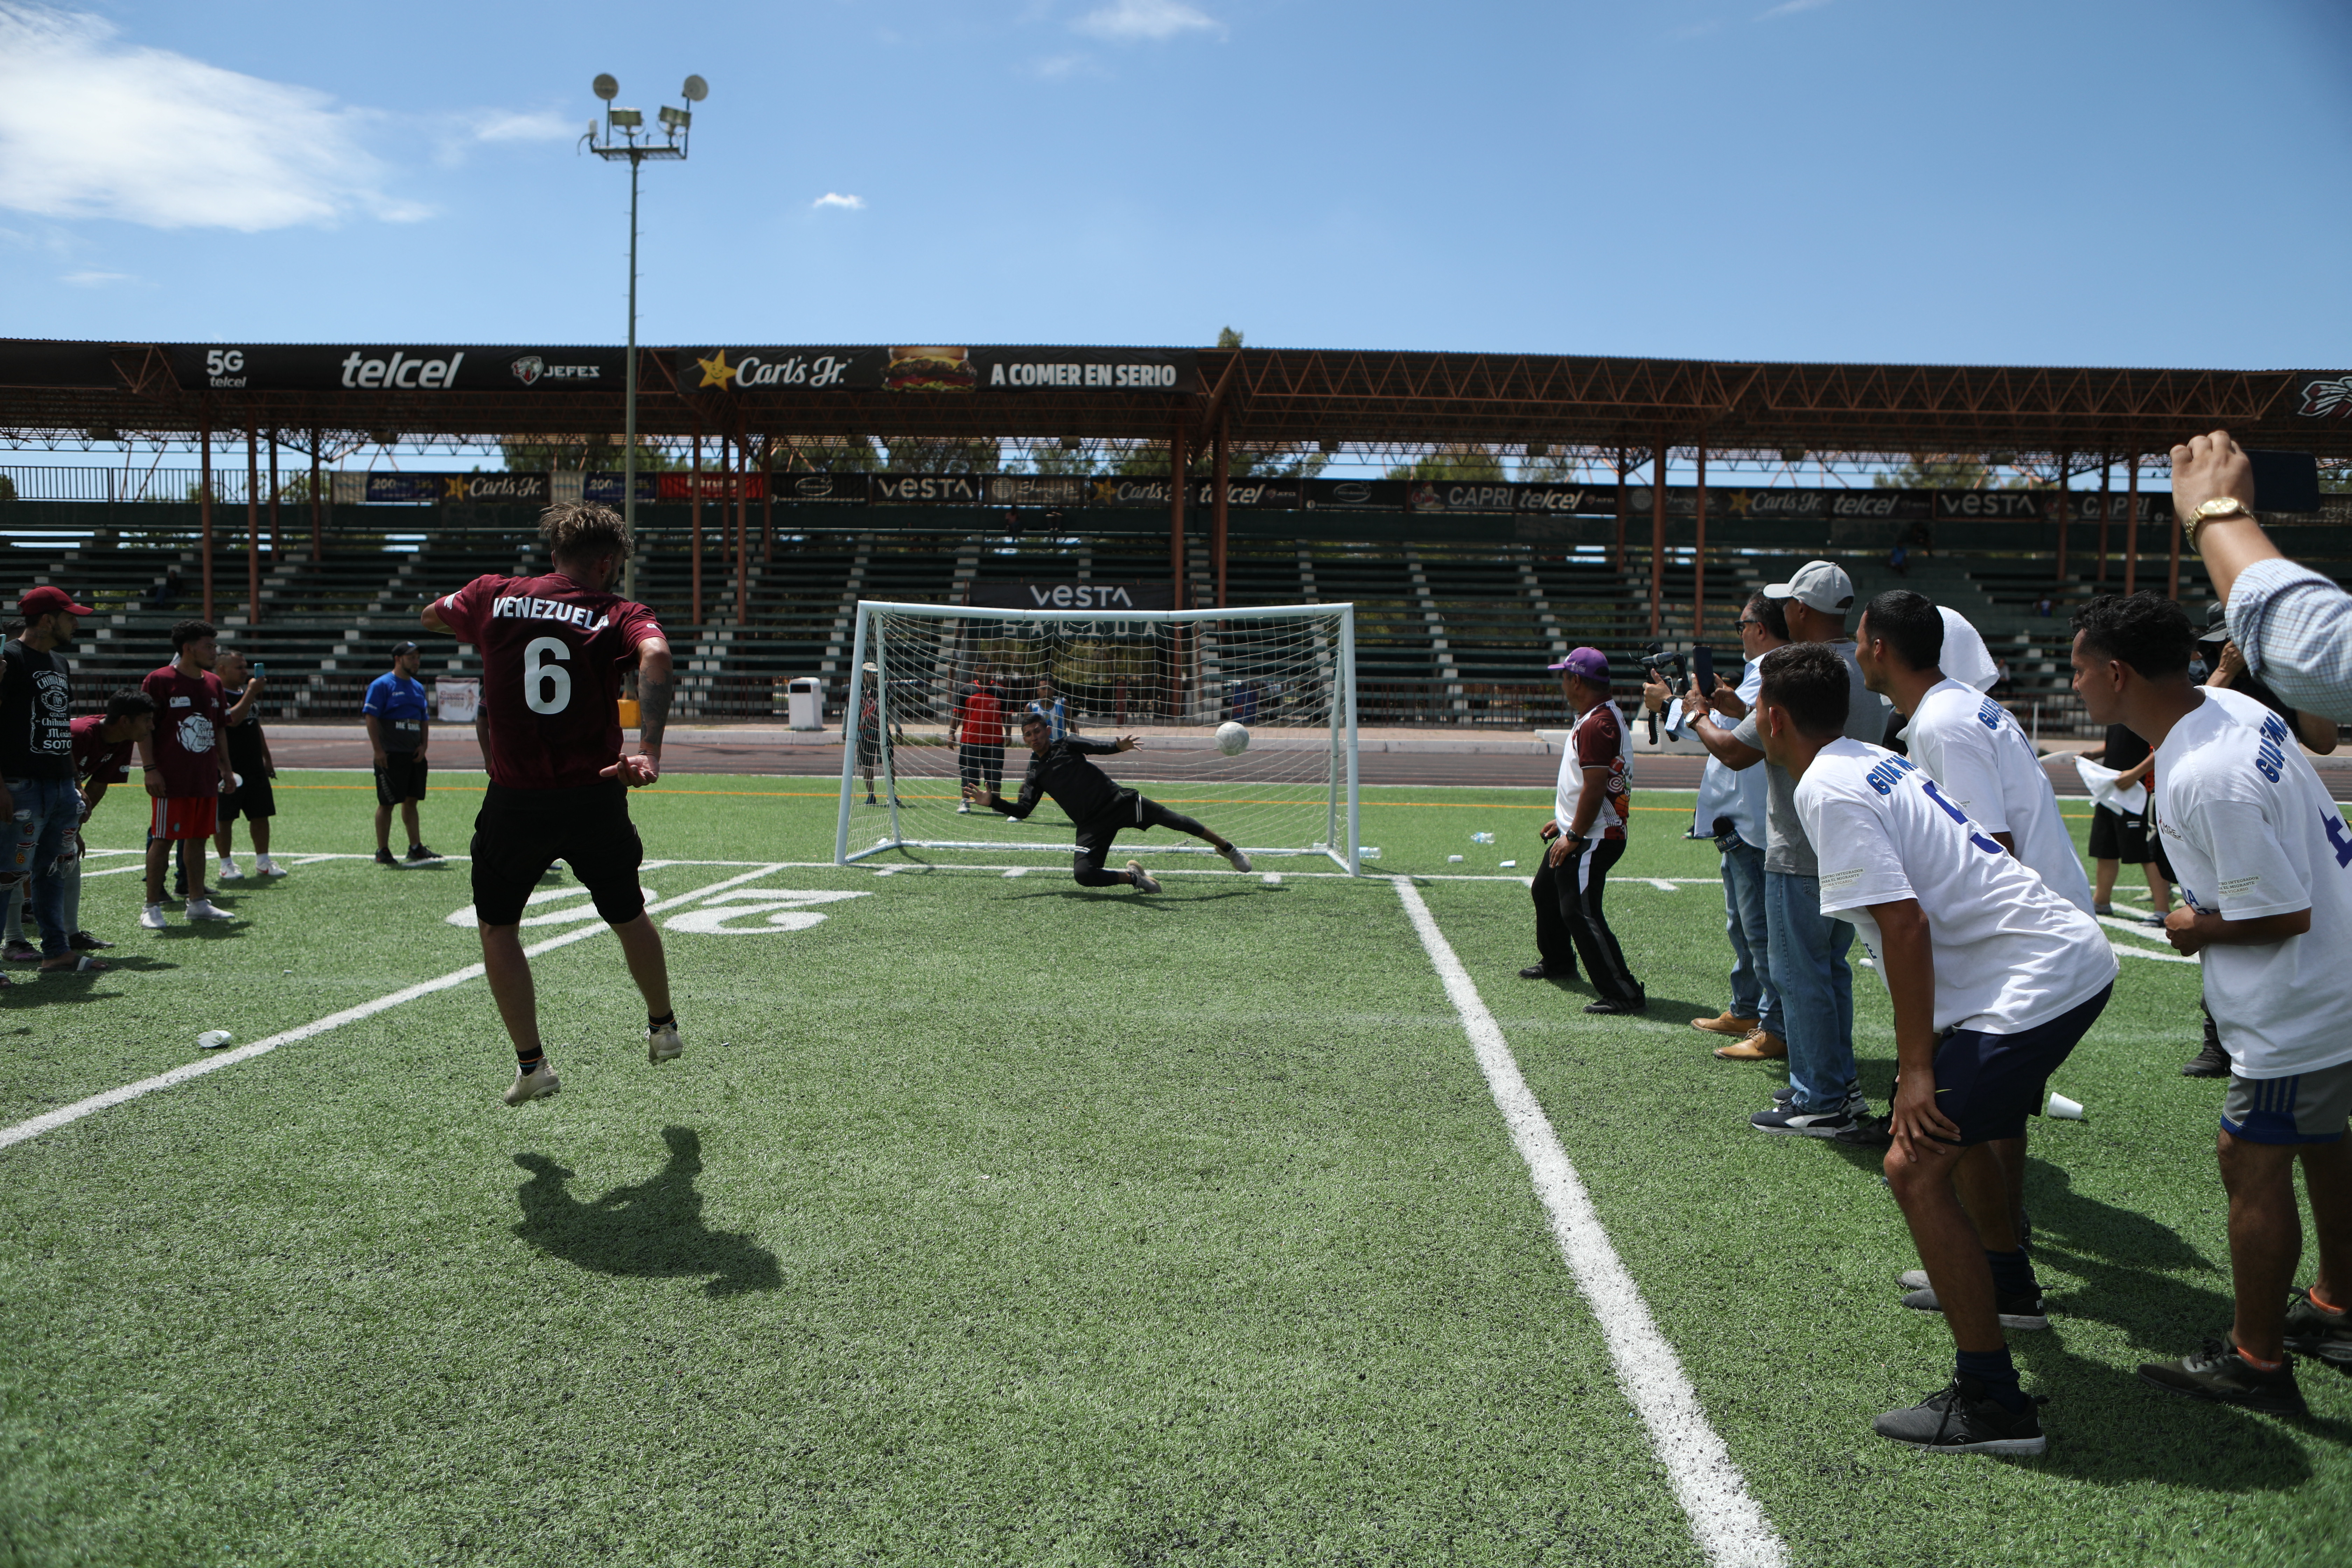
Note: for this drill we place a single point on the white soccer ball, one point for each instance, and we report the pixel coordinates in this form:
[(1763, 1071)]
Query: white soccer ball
[(1232, 739)]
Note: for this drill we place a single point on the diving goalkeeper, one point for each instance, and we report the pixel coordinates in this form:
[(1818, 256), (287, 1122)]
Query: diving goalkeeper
[(1097, 805)]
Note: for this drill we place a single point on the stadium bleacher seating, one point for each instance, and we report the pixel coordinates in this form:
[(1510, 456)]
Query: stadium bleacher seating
[(1449, 630)]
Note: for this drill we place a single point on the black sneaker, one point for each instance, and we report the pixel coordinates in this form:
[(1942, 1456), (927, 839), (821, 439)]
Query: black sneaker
[(2016, 1312), (2210, 1061), (82, 942), (1869, 1132), (420, 855), (384, 858), (1613, 1005), (2312, 1333), (1788, 1121), (2218, 1373), (1539, 971), (1962, 1420)]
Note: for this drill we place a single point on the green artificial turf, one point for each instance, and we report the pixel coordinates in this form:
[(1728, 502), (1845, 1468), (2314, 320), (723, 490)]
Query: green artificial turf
[(993, 1220)]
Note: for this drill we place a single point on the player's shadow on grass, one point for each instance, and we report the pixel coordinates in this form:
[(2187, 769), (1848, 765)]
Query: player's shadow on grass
[(2109, 1428), (68, 987), (650, 1231)]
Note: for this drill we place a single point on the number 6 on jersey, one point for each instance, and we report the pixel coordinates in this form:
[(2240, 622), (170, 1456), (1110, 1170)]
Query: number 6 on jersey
[(546, 687)]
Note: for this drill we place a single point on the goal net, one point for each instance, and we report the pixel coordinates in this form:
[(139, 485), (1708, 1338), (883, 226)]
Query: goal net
[(936, 693)]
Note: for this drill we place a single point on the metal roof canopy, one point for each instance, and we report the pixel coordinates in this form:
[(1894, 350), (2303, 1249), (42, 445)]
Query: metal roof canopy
[(1282, 397)]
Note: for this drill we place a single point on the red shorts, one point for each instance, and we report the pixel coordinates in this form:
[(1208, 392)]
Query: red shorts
[(190, 817)]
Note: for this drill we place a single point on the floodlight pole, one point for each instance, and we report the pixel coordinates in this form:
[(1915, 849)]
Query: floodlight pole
[(676, 126)]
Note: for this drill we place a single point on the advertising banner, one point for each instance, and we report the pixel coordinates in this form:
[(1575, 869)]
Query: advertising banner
[(1378, 495), (394, 489), (315, 367), (1086, 595), (2320, 394), (937, 369)]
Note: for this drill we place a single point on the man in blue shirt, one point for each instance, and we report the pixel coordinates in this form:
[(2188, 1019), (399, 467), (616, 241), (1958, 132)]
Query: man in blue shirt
[(1735, 800), (1053, 709), (397, 724)]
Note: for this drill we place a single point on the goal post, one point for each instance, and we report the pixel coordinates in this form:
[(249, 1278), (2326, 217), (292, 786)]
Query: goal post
[(929, 684)]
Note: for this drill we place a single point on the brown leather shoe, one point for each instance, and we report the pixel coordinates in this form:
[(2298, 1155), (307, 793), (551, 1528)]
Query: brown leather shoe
[(1763, 1045), (1737, 1028)]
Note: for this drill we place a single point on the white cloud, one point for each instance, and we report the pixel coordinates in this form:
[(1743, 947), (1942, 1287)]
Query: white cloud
[(544, 125), (1791, 8), (1129, 21), (92, 127), (1060, 68), (96, 280), (835, 199)]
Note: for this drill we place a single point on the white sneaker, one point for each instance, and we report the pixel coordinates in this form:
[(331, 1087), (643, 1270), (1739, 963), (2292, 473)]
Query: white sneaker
[(228, 871), (965, 810), (203, 910), (1237, 859), (537, 1084), (264, 866), (1145, 882), (151, 918), (662, 1044)]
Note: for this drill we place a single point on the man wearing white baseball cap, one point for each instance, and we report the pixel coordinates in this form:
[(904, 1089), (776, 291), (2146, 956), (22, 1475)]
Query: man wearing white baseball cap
[(1823, 1097)]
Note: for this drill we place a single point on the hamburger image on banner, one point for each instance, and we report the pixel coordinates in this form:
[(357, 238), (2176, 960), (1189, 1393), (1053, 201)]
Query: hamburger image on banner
[(930, 370)]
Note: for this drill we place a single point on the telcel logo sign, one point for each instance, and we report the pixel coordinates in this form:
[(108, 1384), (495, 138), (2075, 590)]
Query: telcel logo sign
[(402, 371), (225, 367)]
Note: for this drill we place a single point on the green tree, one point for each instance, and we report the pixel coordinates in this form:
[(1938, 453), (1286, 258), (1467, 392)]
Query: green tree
[(1454, 463), (1934, 472), (546, 454), (829, 455), (978, 455), (1228, 338)]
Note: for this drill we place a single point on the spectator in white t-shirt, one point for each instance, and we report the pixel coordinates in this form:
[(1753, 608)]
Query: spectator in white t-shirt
[(1971, 746), (1993, 978), (2264, 861)]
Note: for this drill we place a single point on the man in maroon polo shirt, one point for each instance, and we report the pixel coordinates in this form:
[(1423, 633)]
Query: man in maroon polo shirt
[(553, 648)]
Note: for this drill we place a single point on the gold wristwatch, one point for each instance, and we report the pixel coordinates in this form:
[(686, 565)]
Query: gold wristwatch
[(2207, 512)]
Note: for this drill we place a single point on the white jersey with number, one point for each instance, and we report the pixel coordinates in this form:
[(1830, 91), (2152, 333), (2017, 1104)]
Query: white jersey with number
[(2008, 952), (2251, 831), (1971, 746)]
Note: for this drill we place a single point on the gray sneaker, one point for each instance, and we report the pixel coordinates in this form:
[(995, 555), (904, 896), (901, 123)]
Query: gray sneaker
[(1237, 859), (537, 1084), (1962, 1420), (1145, 882), (662, 1044), (2220, 1374), (2313, 1332), (2016, 1312)]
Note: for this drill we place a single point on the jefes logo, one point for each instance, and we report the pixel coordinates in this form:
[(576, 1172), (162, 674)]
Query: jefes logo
[(530, 370), (400, 370), (2325, 399)]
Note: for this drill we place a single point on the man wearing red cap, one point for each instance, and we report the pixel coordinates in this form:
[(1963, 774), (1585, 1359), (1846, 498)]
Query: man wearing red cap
[(37, 761), (1586, 836)]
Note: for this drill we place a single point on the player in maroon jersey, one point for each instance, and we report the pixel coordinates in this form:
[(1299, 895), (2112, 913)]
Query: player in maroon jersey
[(553, 648)]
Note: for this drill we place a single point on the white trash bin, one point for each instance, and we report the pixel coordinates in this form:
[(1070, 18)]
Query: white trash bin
[(805, 703)]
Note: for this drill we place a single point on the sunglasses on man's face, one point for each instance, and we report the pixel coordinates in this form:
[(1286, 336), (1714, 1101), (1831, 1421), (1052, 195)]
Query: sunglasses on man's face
[(1746, 621)]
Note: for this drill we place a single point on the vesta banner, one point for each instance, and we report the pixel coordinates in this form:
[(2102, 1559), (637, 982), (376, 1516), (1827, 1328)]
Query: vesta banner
[(279, 367), (1074, 596), (937, 369)]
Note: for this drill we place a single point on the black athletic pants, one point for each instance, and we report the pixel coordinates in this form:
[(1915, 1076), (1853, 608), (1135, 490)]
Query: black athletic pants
[(1096, 833), (981, 764), (1569, 922)]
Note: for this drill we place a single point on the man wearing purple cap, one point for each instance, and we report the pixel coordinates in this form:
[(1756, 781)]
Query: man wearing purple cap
[(37, 763), (1587, 836)]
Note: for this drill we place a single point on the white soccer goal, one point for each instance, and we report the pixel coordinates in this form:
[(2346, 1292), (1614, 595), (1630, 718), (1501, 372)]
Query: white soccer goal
[(1285, 673)]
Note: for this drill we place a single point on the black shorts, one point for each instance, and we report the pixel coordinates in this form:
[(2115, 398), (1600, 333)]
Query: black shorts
[(2115, 836), (253, 801), (399, 777), (1988, 1084), (519, 832), (870, 747)]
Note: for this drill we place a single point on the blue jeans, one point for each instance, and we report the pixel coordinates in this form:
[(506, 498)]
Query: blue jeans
[(47, 812), (1808, 967), (1753, 994)]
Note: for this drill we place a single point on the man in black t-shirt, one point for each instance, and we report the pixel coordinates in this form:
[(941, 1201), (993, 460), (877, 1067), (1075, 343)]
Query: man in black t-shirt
[(250, 766), (37, 763), (1094, 804)]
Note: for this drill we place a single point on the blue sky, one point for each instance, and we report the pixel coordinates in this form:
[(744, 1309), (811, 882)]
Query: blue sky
[(2103, 181)]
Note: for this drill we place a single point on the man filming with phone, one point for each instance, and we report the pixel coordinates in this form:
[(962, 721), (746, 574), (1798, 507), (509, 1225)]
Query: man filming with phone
[(1731, 811)]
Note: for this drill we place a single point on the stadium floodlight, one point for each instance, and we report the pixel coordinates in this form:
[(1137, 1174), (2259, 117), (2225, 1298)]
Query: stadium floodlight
[(621, 140), (1286, 674)]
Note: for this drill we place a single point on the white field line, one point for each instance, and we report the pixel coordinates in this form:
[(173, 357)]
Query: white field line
[(1728, 1524), (51, 1121)]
